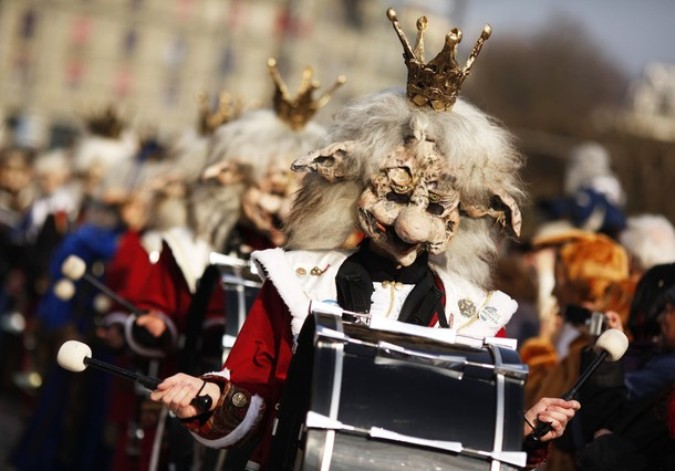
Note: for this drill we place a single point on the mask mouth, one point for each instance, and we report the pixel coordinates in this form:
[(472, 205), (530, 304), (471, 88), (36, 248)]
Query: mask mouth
[(277, 222), (399, 244), (387, 233)]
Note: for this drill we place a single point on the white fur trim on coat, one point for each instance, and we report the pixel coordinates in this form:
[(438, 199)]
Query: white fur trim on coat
[(291, 274), (145, 351), (252, 414), (191, 255), (493, 309)]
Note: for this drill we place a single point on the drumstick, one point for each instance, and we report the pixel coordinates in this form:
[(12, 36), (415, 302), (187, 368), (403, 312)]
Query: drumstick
[(74, 268), (613, 344), (64, 289), (76, 357)]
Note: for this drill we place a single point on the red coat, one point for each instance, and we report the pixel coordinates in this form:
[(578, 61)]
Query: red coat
[(258, 364), (165, 289), (255, 372)]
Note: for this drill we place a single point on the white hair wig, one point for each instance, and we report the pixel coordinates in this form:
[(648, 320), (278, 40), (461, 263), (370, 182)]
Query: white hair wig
[(480, 152), (259, 137)]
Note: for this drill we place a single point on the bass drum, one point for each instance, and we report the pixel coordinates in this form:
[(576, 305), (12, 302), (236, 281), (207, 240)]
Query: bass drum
[(368, 399)]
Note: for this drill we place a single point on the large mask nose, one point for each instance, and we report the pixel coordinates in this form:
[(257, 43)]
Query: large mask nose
[(413, 225)]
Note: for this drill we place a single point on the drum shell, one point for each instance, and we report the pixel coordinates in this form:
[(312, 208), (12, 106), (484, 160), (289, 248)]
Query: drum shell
[(358, 385)]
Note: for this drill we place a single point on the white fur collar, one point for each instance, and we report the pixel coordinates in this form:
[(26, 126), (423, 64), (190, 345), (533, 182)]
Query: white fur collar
[(191, 255), (301, 277)]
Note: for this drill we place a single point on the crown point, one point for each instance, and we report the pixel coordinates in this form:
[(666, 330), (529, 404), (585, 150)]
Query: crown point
[(435, 84), (271, 62), (296, 112), (342, 79)]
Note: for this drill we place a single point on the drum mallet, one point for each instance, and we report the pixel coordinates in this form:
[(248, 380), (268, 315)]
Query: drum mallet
[(613, 344), (76, 357), (74, 268)]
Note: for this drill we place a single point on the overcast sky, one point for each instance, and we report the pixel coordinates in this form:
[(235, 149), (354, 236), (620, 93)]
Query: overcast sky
[(633, 33)]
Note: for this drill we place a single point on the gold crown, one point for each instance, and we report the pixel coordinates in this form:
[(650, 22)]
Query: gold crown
[(435, 83), (228, 108), (106, 123), (297, 112)]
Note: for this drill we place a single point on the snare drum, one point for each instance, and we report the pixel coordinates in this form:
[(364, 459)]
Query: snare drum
[(363, 398)]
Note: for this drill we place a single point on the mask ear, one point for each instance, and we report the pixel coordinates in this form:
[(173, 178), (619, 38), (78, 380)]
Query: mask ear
[(506, 212), (503, 209), (329, 162)]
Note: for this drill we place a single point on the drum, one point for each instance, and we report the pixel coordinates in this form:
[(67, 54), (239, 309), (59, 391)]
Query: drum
[(359, 397), (241, 286)]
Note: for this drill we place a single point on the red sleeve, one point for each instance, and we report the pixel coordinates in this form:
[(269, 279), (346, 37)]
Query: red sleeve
[(257, 366), (261, 354), (129, 268), (166, 290)]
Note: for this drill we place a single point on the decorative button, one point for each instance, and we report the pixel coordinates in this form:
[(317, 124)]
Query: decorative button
[(239, 399), (317, 271), (300, 271), (467, 308)]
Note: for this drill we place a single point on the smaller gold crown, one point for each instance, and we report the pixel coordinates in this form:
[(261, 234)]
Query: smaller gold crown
[(297, 112), (105, 123), (436, 83), (228, 109)]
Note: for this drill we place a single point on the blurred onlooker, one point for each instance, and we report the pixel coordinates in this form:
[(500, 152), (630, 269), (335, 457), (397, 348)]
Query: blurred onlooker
[(628, 413), (57, 197), (649, 240), (590, 167), (594, 198), (591, 275), (16, 192), (643, 323)]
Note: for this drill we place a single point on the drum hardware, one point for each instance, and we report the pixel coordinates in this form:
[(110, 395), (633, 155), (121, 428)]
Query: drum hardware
[(318, 421), (216, 258), (385, 324), (451, 362), (500, 411), (360, 318), (239, 279), (339, 410)]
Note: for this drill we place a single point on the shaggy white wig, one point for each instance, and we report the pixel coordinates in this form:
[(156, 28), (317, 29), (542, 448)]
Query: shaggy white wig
[(479, 150), (259, 137)]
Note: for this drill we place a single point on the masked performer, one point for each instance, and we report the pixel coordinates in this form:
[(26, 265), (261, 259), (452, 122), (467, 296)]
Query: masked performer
[(425, 176), (257, 150)]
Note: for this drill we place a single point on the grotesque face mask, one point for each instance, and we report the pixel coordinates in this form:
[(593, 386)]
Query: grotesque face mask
[(227, 172), (267, 204), (411, 204)]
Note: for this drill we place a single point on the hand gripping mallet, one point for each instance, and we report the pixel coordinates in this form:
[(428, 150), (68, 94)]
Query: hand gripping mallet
[(76, 357), (612, 343)]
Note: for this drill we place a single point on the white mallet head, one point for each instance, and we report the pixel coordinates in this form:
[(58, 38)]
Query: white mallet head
[(614, 342), (74, 267), (72, 354), (102, 303), (64, 289)]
